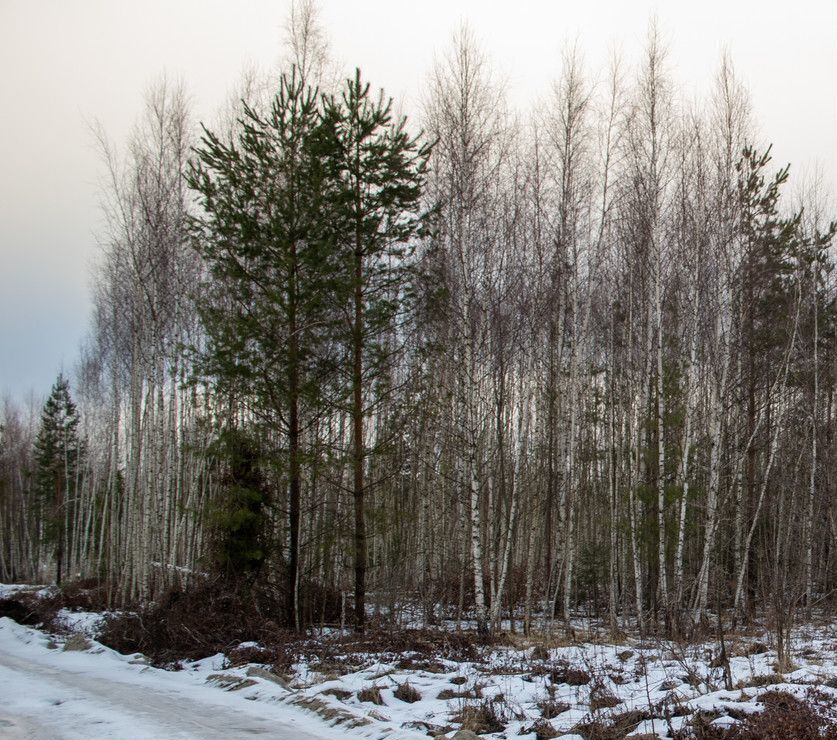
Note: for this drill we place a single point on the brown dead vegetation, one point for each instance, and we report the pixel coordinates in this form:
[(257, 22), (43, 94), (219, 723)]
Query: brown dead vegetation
[(407, 693), (613, 727), (482, 718), (189, 625), (371, 694), (784, 717), (34, 608)]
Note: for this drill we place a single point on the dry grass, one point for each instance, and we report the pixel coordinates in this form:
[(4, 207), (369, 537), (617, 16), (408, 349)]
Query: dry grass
[(784, 718), (614, 727), (481, 718), (550, 708), (331, 714), (371, 694), (542, 729), (341, 694), (601, 698), (407, 693), (448, 694), (604, 701), (568, 674), (766, 679)]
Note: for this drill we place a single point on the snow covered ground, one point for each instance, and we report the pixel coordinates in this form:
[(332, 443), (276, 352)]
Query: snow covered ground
[(48, 692), (66, 686)]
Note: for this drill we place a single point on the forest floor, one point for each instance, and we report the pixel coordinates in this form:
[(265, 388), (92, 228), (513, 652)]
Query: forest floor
[(415, 683)]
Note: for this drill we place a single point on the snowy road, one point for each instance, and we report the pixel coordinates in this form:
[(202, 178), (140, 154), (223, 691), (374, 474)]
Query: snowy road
[(47, 693), (52, 702)]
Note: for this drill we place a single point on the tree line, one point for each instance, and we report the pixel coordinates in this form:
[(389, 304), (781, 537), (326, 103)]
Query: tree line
[(508, 368)]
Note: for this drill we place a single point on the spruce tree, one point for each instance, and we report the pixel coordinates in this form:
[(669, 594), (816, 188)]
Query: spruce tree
[(239, 517), (58, 454)]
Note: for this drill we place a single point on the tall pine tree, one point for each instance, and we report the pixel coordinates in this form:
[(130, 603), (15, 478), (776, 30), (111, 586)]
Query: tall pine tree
[(268, 302), (58, 455), (376, 219)]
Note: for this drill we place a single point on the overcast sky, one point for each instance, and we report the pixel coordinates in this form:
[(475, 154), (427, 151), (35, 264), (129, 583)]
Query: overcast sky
[(67, 64)]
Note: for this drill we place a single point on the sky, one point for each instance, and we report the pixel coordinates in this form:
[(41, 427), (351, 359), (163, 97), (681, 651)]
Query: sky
[(68, 65)]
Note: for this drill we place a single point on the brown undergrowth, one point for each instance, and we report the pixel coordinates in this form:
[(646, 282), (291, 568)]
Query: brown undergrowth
[(784, 718), (38, 609), (209, 618)]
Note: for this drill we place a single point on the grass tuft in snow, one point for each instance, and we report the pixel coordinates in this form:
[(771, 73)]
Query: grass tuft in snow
[(371, 694), (407, 693), (482, 718)]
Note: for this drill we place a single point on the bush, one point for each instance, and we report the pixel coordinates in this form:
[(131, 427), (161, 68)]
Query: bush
[(603, 700), (204, 620), (20, 611), (542, 729), (30, 608), (616, 727), (89, 595), (550, 708), (448, 694), (539, 652)]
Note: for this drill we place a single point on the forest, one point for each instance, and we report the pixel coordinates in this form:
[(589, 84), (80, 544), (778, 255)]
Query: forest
[(472, 367)]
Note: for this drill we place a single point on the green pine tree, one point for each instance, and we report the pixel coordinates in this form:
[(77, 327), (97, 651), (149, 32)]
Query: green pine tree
[(58, 456), (269, 303), (770, 243), (376, 218)]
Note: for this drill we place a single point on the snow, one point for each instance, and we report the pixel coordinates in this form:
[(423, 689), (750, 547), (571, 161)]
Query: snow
[(87, 623), (648, 678), (99, 693), (51, 693), (9, 590)]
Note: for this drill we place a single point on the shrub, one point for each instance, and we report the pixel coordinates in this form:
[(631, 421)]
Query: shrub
[(206, 619), (601, 698), (542, 729), (539, 652), (784, 717), (447, 694), (20, 612)]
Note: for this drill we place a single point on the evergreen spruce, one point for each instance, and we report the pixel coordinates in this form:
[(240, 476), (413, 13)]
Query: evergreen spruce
[(239, 518), (58, 455)]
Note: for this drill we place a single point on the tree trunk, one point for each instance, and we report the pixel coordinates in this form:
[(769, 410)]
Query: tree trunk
[(358, 447)]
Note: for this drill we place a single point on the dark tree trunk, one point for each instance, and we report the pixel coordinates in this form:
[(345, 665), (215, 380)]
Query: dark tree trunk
[(294, 483), (358, 447)]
